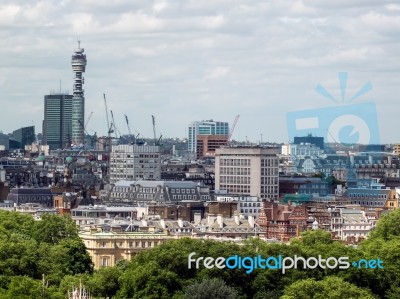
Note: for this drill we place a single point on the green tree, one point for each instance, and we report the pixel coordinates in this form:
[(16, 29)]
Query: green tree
[(104, 282), (210, 288), (54, 228), (330, 287), (388, 227), (148, 281), (23, 287)]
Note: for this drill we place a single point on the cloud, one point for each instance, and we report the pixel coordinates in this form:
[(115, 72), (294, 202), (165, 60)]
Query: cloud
[(217, 73), (159, 57)]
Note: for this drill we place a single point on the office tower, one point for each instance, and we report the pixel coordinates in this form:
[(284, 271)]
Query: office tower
[(206, 136), (57, 124), (135, 162), (317, 141), (25, 136), (251, 171), (78, 101)]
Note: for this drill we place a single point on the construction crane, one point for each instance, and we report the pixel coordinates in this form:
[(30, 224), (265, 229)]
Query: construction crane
[(156, 141), (113, 125), (132, 137), (93, 138), (87, 121), (154, 129), (232, 129), (109, 128)]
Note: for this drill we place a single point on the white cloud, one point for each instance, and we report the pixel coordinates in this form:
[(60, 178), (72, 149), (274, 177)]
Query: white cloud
[(154, 57), (217, 73)]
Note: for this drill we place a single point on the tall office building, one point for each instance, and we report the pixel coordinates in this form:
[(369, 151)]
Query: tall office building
[(135, 162), (78, 101), (25, 136), (206, 136), (250, 171), (57, 124)]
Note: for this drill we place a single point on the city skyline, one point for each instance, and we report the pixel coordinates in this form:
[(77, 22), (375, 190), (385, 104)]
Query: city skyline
[(187, 61)]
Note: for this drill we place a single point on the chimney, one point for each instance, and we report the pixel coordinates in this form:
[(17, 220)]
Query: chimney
[(197, 218), (162, 223), (236, 216), (210, 219), (251, 220), (352, 160), (180, 222), (220, 220)]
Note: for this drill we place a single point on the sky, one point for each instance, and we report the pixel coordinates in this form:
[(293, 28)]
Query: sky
[(183, 61)]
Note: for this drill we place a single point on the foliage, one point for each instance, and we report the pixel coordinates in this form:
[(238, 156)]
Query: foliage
[(31, 250), (210, 288), (329, 288), (51, 247)]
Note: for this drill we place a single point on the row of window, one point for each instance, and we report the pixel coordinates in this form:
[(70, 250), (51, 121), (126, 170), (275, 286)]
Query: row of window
[(269, 162), (234, 162), (269, 180), (251, 204), (269, 189), (368, 203), (234, 180), (183, 191), (368, 195), (235, 188), (131, 244), (183, 197), (235, 171), (270, 171), (255, 211)]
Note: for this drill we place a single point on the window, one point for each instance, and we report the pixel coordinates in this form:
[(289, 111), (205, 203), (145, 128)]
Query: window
[(104, 261)]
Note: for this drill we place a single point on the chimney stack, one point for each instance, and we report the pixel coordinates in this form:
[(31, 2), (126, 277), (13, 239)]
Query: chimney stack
[(251, 220), (220, 221), (180, 222), (197, 218)]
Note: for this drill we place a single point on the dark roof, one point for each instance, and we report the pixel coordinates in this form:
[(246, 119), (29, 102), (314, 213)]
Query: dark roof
[(20, 191)]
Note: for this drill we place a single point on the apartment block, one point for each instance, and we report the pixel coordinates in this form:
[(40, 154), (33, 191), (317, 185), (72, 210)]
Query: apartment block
[(249, 171), (135, 162)]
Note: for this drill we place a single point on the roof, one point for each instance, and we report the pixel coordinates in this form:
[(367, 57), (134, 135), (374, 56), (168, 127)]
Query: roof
[(153, 184)]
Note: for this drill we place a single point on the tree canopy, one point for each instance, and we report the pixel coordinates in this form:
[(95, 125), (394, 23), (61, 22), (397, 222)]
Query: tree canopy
[(46, 258)]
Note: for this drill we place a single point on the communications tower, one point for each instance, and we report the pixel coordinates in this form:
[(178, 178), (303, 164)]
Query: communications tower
[(78, 101)]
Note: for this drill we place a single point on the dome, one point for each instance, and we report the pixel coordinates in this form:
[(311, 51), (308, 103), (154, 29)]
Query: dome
[(41, 158), (68, 159)]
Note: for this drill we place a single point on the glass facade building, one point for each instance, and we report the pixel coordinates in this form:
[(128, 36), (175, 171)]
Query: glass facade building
[(57, 124), (205, 127), (24, 136)]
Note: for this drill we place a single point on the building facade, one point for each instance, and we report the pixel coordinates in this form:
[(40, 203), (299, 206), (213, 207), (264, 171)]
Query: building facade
[(135, 162), (155, 192), (78, 63), (57, 124), (217, 132), (24, 136), (317, 141), (250, 171)]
